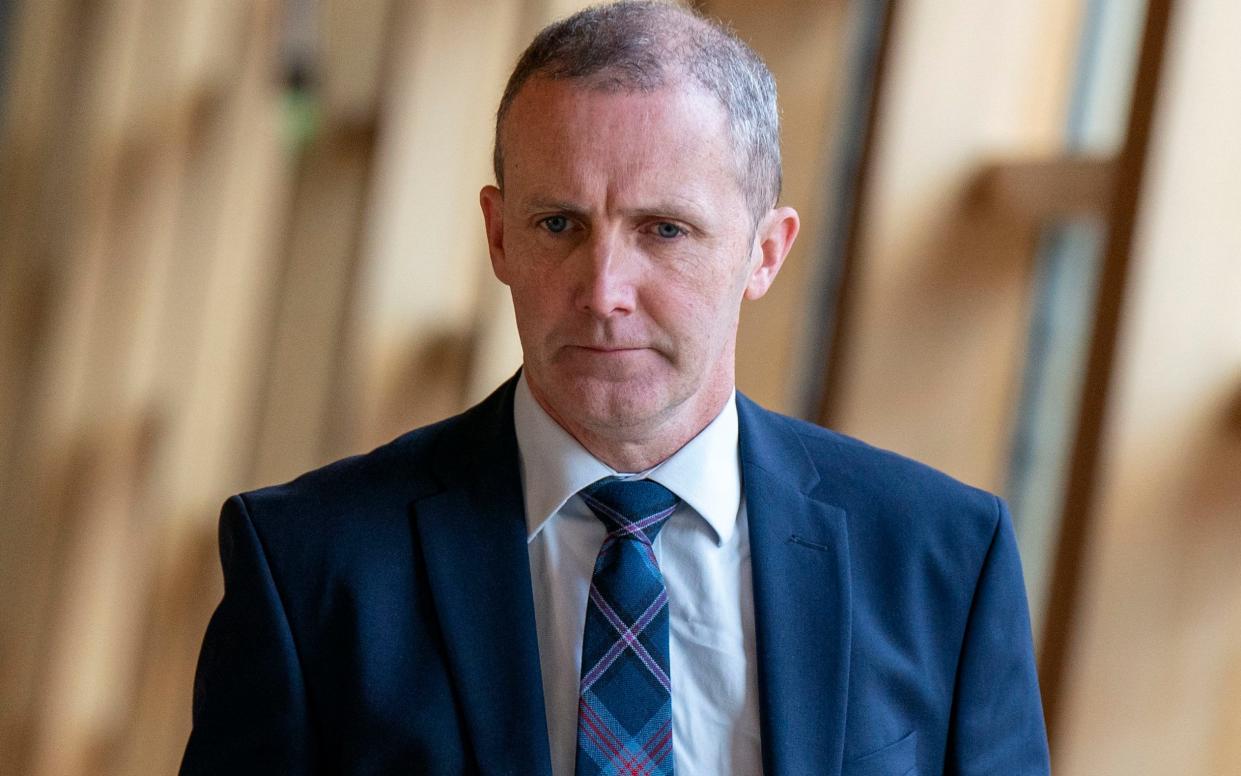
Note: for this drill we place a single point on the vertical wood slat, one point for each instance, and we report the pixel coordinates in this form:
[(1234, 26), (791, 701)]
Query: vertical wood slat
[(1079, 499), (37, 72), (413, 326), (322, 247), (846, 237)]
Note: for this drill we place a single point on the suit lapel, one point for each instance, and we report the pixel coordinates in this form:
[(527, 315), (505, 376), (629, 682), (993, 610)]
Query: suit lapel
[(473, 540), (800, 563)]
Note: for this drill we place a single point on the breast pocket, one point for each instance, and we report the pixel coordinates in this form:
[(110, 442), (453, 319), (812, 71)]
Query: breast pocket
[(899, 758)]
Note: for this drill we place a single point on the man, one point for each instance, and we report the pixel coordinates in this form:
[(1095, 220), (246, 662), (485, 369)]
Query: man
[(616, 564)]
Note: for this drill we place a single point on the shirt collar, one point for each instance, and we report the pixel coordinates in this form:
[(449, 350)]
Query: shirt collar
[(705, 473)]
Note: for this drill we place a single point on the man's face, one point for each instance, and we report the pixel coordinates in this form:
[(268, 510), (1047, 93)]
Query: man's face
[(626, 240)]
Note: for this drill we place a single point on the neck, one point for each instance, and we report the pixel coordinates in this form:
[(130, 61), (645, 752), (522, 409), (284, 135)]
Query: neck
[(642, 446)]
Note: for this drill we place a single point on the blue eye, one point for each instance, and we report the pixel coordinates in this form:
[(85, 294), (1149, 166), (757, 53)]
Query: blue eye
[(555, 224), (668, 231)]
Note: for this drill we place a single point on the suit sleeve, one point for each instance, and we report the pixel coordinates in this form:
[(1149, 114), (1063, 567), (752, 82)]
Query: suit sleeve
[(997, 717), (250, 712)]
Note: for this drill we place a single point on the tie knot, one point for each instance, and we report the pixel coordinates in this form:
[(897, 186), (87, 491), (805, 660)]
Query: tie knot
[(634, 509)]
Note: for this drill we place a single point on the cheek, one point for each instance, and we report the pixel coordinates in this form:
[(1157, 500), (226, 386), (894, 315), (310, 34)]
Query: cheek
[(693, 314), (532, 304), (711, 291), (530, 279), (537, 265), (711, 309), (542, 308)]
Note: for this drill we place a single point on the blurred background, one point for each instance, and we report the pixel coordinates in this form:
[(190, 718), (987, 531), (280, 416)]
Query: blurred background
[(240, 238)]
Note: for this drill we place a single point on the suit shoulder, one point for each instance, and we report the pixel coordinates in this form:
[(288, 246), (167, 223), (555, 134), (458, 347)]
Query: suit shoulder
[(366, 500), (359, 493), (344, 519), (906, 494), (910, 526), (404, 458)]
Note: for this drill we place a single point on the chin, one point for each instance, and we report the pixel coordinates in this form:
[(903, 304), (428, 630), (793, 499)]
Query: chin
[(603, 405), (610, 406)]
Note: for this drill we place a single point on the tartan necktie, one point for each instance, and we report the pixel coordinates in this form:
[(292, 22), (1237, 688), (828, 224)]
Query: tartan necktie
[(624, 722)]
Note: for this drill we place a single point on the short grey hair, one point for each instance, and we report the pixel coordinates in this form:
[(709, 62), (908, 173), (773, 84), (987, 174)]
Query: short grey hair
[(643, 45)]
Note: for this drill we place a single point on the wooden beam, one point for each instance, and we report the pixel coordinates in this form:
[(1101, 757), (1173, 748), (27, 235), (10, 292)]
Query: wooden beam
[(1038, 191), (1076, 524)]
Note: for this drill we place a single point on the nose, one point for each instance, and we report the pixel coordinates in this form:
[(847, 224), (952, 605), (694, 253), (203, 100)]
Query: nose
[(606, 288)]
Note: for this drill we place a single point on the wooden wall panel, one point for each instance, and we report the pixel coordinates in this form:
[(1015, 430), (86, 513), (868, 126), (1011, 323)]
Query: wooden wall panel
[(1151, 685)]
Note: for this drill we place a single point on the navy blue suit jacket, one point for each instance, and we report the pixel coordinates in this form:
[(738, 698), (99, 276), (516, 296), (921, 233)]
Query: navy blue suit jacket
[(378, 618)]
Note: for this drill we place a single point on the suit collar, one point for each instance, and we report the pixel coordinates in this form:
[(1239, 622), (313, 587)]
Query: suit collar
[(473, 547), (800, 566)]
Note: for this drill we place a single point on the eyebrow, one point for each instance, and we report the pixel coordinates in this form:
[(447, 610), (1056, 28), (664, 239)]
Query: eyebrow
[(678, 211), (539, 203), (666, 209)]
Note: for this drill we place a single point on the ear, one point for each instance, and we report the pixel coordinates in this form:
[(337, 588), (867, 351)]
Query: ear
[(492, 201), (774, 237)]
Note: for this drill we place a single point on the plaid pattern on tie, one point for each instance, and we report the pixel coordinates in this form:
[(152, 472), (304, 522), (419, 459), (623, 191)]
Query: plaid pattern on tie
[(624, 723)]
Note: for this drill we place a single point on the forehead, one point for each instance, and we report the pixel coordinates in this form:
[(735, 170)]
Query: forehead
[(564, 133)]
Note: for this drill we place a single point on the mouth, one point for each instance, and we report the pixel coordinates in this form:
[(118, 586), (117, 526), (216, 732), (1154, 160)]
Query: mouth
[(610, 362), (602, 354)]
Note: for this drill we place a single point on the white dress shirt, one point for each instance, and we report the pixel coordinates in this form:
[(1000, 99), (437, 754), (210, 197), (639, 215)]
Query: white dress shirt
[(704, 554)]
